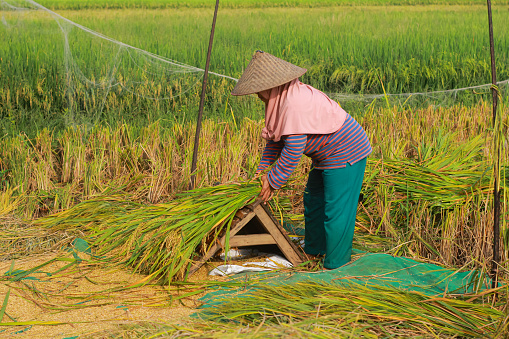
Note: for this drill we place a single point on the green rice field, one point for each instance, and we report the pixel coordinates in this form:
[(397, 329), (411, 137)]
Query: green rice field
[(346, 49), (70, 4), (98, 227)]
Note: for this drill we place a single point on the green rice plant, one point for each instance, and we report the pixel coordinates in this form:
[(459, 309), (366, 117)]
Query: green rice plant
[(438, 177), (429, 189), (422, 201), (327, 310), (159, 240), (345, 49), (329, 305), (150, 164), (123, 4)]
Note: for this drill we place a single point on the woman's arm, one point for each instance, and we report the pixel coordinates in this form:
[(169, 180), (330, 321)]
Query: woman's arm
[(294, 146), (270, 153)]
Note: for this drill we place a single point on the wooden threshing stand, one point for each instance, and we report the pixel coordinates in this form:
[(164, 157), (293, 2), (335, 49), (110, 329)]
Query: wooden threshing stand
[(254, 225)]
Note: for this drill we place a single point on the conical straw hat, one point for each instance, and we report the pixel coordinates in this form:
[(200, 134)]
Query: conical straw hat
[(266, 71)]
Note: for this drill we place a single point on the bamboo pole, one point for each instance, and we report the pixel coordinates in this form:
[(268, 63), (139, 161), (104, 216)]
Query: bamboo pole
[(202, 100), (496, 191)]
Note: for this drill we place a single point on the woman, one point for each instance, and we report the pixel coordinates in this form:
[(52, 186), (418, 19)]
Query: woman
[(300, 119)]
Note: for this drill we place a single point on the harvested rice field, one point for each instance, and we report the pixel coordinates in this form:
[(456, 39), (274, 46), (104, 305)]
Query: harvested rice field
[(112, 300), (100, 231)]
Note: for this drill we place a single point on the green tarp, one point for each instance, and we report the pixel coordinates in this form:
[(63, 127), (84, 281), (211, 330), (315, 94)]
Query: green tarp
[(373, 270)]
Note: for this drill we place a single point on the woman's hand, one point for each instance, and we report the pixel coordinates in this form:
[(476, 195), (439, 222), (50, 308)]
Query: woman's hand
[(267, 190)]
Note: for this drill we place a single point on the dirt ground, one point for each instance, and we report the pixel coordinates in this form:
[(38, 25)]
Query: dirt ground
[(88, 299)]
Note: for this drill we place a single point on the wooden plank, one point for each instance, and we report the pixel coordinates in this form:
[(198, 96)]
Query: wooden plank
[(257, 202), (252, 240), (276, 235), (283, 231), (220, 243), (282, 240)]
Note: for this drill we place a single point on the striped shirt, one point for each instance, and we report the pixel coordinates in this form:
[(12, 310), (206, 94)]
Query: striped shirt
[(349, 144)]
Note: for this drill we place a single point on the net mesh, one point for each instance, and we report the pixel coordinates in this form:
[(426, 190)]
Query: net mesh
[(100, 74), (98, 71), (371, 270), (446, 98)]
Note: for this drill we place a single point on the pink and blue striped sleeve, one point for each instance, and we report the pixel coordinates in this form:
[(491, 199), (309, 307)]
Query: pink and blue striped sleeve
[(270, 154), (294, 146)]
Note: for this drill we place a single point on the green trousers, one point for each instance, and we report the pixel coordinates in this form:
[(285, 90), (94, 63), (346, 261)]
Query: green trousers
[(330, 206)]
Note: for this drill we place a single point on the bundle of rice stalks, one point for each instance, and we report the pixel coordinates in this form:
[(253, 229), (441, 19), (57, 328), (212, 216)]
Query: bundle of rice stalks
[(317, 305), (159, 240), (16, 238), (8, 202), (443, 175)]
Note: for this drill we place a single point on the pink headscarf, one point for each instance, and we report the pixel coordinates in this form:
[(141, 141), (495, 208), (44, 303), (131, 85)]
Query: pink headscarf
[(297, 108)]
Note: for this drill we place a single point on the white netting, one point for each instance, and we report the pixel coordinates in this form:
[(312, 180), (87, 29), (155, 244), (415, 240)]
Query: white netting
[(445, 98), (102, 73), (99, 70)]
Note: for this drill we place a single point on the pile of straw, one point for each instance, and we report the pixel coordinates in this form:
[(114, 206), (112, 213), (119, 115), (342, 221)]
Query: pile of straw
[(332, 309), (312, 309), (159, 240)]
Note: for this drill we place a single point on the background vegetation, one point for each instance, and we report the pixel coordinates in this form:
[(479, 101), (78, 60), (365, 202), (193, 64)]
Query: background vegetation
[(353, 49), (94, 4)]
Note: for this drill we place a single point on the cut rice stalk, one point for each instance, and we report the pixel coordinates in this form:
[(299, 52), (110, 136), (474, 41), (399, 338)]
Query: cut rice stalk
[(160, 240)]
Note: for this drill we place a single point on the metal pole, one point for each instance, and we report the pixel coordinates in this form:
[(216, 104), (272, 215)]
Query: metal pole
[(202, 100), (496, 192)]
